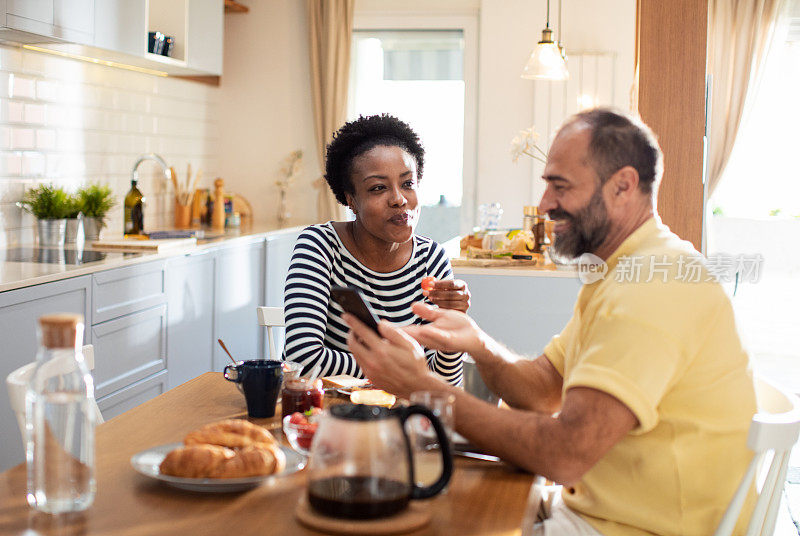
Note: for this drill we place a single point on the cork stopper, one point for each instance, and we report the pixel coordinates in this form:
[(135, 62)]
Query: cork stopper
[(60, 330)]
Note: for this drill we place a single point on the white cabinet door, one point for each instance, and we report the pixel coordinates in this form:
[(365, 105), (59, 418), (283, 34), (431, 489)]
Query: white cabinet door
[(119, 26), (34, 16), (73, 20), (19, 312), (129, 348), (238, 291), (204, 35), (132, 395), (190, 316)]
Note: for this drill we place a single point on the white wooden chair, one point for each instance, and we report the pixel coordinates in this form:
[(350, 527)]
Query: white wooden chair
[(774, 430), (271, 317), (17, 384)]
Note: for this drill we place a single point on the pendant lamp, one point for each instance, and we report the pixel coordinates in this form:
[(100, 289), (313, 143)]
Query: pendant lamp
[(546, 61)]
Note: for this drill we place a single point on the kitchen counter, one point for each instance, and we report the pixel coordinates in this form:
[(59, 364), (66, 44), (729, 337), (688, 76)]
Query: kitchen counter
[(14, 275)]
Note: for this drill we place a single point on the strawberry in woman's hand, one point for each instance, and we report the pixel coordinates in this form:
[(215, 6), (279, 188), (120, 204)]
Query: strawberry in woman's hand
[(428, 284)]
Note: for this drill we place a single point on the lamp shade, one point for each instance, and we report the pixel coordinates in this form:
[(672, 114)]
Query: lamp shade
[(546, 62)]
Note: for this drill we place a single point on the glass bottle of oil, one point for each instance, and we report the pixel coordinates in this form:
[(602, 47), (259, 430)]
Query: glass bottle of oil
[(134, 211)]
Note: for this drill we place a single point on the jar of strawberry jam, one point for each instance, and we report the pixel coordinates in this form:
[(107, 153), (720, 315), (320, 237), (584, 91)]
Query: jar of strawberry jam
[(301, 394)]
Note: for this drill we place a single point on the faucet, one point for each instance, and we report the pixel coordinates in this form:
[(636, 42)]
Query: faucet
[(155, 158)]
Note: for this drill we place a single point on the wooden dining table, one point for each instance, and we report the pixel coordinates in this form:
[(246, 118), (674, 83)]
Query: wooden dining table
[(484, 497)]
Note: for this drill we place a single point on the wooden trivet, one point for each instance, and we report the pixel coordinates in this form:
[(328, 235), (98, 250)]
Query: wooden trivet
[(412, 518)]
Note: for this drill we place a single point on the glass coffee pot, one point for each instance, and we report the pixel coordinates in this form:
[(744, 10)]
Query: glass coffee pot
[(360, 465)]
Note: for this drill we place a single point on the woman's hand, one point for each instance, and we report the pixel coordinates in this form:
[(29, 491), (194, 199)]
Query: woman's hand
[(449, 331), (449, 294), (392, 361)]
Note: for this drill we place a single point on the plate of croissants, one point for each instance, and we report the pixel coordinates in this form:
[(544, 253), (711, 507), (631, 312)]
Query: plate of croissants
[(224, 456)]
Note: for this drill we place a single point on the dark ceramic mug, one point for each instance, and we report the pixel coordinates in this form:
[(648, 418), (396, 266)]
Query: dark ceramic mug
[(261, 384)]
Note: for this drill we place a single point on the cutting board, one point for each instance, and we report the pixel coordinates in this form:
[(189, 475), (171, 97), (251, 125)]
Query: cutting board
[(152, 246), (496, 263)]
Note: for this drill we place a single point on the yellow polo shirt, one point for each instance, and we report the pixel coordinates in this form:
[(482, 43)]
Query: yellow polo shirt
[(659, 337)]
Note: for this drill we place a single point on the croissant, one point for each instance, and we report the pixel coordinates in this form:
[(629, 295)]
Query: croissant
[(195, 461), (233, 448), (252, 461), (231, 433)]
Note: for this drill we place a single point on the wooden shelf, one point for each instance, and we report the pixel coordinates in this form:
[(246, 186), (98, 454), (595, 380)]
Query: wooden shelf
[(232, 6)]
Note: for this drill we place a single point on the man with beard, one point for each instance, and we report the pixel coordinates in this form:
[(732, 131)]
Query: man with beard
[(640, 407)]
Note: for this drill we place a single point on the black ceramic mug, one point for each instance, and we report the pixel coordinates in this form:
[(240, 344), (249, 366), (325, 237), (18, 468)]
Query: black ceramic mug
[(261, 383)]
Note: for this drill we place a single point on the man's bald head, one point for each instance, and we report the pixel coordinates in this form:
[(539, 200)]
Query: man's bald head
[(618, 140)]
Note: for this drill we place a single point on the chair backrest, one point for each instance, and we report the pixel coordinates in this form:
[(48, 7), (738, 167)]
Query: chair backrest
[(773, 431), (17, 384), (271, 317)]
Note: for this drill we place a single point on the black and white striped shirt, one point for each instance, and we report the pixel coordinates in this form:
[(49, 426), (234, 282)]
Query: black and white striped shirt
[(316, 336)]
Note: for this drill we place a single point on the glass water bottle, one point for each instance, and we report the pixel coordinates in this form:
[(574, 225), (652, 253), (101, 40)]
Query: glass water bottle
[(60, 419)]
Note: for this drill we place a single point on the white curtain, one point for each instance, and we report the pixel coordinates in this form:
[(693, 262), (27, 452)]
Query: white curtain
[(330, 31), (740, 33)]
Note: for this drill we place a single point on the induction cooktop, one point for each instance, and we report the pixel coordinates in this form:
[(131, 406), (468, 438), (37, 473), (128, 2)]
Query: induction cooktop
[(55, 255)]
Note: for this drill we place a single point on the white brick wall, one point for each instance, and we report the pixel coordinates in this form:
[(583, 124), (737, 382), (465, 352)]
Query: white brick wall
[(69, 122)]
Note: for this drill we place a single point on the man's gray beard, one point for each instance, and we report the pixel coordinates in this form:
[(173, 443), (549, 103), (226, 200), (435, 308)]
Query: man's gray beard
[(587, 230)]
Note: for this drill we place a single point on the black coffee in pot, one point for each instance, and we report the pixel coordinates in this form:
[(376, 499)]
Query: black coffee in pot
[(358, 497)]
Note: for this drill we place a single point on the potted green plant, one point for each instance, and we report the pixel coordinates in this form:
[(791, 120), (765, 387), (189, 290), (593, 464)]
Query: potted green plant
[(50, 205), (95, 201)]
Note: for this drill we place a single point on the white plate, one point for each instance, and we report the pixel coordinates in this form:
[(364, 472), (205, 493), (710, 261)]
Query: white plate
[(148, 461)]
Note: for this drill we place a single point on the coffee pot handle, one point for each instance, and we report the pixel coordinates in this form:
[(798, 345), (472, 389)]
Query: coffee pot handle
[(419, 492)]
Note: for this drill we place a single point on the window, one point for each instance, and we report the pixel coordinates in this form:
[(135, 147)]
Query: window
[(756, 210), (418, 75)]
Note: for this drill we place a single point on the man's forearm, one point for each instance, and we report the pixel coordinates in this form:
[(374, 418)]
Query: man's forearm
[(521, 383), (532, 441), (561, 448)]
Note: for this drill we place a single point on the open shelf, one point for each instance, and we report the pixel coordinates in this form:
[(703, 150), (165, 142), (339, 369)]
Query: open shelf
[(169, 18)]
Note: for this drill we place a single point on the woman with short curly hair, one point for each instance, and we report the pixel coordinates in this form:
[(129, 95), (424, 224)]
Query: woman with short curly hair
[(373, 166)]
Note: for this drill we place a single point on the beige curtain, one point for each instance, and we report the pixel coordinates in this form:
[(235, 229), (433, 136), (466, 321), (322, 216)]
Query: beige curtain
[(739, 35), (330, 30)]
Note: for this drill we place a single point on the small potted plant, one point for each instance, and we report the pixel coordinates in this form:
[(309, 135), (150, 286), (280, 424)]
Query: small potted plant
[(50, 205), (95, 201)]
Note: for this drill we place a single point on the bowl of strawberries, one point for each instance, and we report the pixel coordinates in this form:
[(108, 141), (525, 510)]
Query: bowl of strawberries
[(299, 429)]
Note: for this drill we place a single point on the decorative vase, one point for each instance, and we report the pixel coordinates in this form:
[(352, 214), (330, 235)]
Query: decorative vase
[(51, 232), (92, 227)]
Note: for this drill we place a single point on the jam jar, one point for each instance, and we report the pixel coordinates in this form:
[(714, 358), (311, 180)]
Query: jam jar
[(301, 394)]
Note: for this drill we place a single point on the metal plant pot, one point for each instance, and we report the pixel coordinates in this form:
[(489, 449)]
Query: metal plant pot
[(52, 232), (74, 230), (91, 228)]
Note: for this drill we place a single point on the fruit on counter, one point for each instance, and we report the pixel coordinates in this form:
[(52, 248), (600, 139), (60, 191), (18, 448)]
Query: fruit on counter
[(428, 283)]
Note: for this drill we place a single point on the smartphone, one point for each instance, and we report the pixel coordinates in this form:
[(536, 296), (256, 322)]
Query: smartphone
[(353, 302)]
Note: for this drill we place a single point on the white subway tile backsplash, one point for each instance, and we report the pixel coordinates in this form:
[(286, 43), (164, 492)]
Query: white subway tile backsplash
[(12, 111), (69, 123), (46, 90), (45, 139), (33, 164), (23, 138), (34, 113), (21, 87), (10, 163), (10, 59)]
